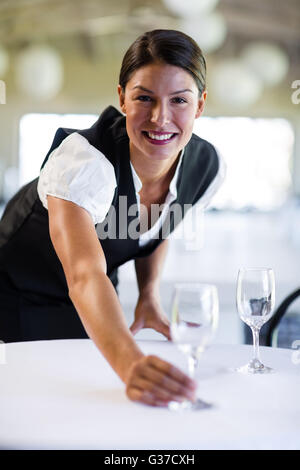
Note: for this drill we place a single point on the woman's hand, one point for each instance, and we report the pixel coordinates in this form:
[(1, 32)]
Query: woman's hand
[(155, 382), (149, 314)]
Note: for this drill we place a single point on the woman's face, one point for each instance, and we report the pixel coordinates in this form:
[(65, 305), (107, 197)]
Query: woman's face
[(161, 102)]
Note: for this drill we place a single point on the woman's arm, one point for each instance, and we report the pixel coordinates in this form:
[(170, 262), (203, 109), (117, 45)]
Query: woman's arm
[(93, 295), (148, 312), (148, 379)]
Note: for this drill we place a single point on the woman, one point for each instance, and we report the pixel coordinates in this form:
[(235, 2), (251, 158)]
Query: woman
[(63, 236)]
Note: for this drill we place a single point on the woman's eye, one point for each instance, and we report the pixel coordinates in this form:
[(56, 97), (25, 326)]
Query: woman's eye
[(144, 98), (178, 100)]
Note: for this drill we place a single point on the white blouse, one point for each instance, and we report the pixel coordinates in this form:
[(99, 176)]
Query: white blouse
[(78, 172)]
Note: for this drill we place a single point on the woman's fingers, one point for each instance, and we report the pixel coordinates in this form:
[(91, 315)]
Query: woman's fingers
[(172, 371), (167, 382), (145, 397), (159, 392), (164, 328), (136, 326), (156, 382)]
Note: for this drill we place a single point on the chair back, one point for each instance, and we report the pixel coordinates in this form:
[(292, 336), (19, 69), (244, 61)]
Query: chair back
[(284, 326)]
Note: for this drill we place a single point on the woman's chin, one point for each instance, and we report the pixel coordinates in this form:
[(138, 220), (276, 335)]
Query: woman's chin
[(154, 152), (161, 152)]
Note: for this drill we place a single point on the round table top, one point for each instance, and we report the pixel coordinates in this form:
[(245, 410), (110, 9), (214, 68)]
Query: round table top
[(64, 395)]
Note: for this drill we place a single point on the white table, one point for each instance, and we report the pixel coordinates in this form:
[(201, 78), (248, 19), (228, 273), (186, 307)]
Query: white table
[(63, 395)]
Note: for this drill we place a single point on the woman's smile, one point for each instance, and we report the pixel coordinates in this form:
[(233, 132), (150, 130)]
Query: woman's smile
[(159, 138)]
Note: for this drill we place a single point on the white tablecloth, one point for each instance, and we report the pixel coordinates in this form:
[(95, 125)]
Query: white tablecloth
[(63, 395)]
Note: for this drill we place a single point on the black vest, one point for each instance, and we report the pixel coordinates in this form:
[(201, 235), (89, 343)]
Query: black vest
[(27, 255)]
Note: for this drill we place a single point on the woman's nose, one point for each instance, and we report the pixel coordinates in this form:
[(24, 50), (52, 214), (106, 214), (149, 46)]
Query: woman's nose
[(160, 114)]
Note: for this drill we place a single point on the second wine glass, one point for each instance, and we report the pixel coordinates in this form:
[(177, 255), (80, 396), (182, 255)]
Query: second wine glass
[(255, 299)]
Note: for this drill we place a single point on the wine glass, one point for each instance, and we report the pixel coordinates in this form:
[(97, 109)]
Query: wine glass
[(255, 299), (195, 310)]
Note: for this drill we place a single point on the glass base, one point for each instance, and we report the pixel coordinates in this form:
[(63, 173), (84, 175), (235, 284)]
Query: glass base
[(188, 405), (255, 367)]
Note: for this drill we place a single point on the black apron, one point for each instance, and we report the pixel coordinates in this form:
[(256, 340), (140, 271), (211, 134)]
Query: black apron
[(34, 301)]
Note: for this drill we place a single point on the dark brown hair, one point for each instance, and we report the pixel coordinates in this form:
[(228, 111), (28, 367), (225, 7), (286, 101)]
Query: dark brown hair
[(167, 46)]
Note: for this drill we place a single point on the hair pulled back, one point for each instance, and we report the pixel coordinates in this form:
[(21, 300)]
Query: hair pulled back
[(167, 46)]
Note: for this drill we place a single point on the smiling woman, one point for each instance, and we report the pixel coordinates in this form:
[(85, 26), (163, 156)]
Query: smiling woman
[(163, 117), (162, 92), (61, 242)]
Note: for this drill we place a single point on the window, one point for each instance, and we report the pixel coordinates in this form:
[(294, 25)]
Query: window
[(258, 156), (257, 153), (36, 136)]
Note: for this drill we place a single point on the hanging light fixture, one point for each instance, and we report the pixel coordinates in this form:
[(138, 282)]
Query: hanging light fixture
[(266, 60), (208, 30), (39, 72), (189, 8), (234, 85), (198, 19)]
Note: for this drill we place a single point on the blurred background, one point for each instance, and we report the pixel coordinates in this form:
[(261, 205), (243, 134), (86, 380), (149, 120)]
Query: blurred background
[(59, 66)]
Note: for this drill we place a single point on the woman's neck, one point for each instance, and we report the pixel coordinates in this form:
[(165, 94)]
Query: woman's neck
[(153, 171)]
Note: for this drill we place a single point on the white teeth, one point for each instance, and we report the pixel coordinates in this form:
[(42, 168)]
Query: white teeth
[(159, 137)]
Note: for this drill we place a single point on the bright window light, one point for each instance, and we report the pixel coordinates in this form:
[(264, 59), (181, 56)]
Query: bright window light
[(257, 153), (36, 135), (258, 157)]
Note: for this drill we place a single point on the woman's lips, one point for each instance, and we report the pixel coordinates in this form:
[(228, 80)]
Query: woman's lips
[(159, 138)]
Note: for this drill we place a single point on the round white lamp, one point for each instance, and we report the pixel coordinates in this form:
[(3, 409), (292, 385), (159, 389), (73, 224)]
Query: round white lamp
[(269, 62), (189, 8), (233, 85), (39, 72), (208, 30)]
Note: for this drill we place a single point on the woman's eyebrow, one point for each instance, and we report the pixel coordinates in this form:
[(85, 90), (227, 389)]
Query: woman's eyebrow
[(173, 93), (142, 88), (181, 91)]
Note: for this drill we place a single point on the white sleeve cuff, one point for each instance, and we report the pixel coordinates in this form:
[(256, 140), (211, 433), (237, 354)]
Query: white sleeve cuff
[(76, 171)]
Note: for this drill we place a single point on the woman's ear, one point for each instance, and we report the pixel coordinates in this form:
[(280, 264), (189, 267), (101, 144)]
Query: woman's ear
[(122, 99), (201, 103)]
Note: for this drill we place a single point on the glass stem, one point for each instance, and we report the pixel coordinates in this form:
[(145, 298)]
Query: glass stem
[(255, 333), (192, 364)]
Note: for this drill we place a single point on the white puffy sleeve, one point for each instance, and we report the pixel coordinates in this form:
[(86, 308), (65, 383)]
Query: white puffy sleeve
[(78, 172)]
